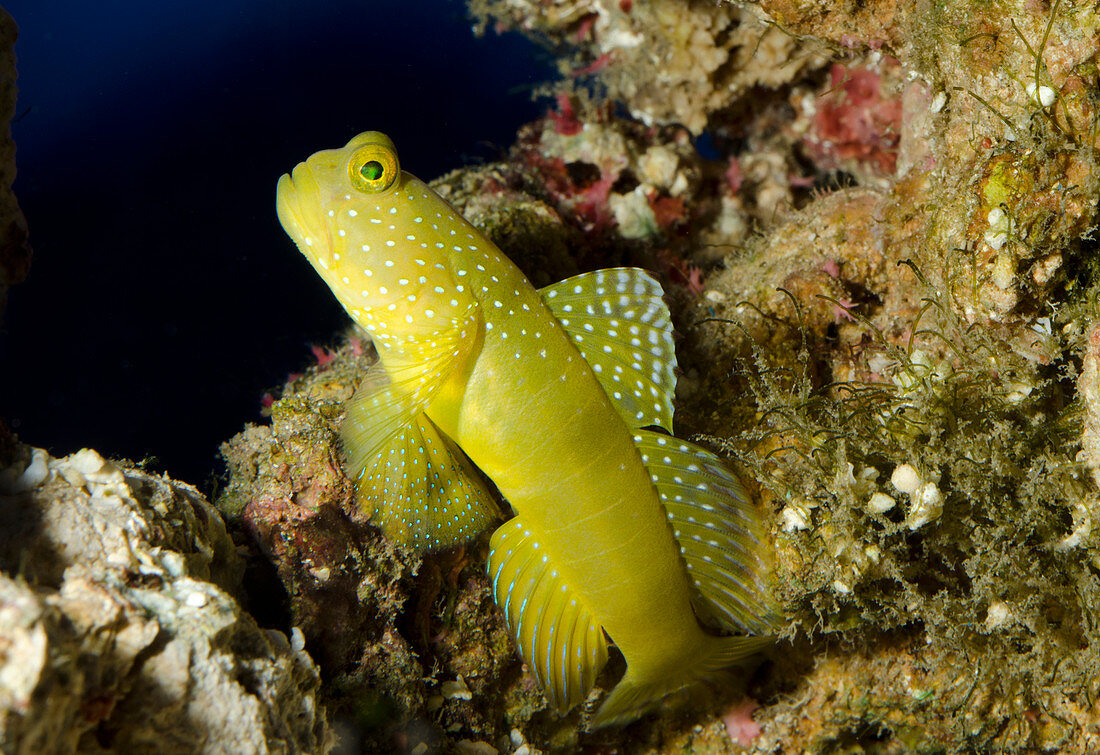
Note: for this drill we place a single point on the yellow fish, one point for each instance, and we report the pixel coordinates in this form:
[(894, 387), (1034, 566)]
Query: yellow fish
[(561, 397)]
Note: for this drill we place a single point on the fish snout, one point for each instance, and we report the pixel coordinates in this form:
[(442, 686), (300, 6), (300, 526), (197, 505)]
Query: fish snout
[(297, 203)]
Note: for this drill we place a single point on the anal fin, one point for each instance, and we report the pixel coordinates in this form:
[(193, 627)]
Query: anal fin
[(556, 634)]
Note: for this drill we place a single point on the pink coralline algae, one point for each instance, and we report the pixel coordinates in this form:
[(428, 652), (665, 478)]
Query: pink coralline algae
[(565, 117), (322, 355), (596, 65), (856, 122), (667, 211), (733, 175), (586, 197), (739, 722)]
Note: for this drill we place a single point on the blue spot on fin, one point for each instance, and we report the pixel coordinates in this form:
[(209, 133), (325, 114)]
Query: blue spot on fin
[(556, 633), (413, 482), (719, 530), (620, 324)]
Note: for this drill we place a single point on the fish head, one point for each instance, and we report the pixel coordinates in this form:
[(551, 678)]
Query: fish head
[(381, 239), (320, 202)]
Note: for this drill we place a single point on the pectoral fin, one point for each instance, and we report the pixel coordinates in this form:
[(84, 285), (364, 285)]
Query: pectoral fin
[(422, 491), (413, 481)]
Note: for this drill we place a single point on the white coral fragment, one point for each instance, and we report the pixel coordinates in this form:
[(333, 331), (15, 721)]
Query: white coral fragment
[(16, 480), (795, 516), (998, 615), (880, 503), (633, 213), (905, 478), (456, 690), (1042, 95), (1004, 271), (1000, 225), (927, 505), (658, 166)]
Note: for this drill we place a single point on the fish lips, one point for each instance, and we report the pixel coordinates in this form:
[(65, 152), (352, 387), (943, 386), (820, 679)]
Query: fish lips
[(298, 205)]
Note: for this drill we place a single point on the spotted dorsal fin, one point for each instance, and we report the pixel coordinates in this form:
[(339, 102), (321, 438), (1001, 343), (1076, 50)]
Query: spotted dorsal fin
[(622, 327), (719, 530), (556, 634)]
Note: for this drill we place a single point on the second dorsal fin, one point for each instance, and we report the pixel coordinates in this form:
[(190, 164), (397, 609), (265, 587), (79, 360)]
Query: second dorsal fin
[(617, 320), (718, 529)]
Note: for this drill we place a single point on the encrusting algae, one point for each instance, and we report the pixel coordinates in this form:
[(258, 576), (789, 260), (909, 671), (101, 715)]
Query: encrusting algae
[(563, 398)]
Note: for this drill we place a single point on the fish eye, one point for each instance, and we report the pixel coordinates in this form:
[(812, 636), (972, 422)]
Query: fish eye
[(373, 168)]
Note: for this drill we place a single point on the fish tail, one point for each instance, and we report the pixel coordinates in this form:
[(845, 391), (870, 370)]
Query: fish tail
[(637, 692)]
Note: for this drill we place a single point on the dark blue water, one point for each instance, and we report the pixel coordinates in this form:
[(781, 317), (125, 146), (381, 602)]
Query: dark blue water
[(164, 298)]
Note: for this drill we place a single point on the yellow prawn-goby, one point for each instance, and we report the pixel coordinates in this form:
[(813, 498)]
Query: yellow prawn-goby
[(563, 398)]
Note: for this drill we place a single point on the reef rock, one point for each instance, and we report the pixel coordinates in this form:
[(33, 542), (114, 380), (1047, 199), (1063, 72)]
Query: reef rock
[(667, 61), (119, 631)]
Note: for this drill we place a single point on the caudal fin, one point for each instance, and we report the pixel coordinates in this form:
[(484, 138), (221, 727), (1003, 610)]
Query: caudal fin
[(635, 694)]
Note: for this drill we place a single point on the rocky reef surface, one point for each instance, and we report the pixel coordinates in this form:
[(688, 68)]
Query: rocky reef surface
[(875, 225), (119, 631)]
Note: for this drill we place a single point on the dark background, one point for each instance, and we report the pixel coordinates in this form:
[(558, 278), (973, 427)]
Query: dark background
[(164, 298)]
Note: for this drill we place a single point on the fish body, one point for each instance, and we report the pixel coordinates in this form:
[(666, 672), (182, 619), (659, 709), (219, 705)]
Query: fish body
[(618, 529)]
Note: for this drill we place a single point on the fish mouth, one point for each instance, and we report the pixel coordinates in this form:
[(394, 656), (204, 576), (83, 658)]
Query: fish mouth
[(297, 203)]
